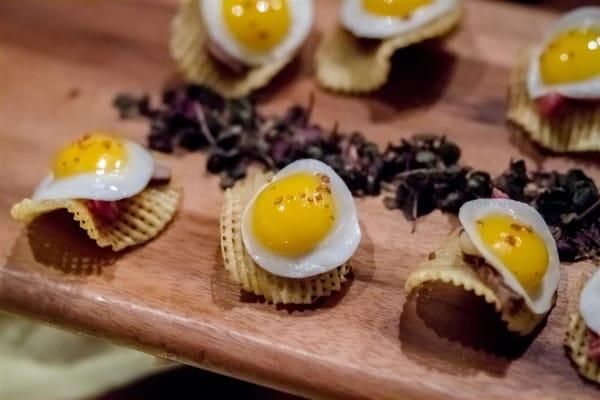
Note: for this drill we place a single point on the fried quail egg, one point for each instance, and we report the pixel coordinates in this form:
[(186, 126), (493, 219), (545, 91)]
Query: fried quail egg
[(302, 223), (256, 32), (97, 166), (589, 303), (380, 19), (568, 59), (514, 239)]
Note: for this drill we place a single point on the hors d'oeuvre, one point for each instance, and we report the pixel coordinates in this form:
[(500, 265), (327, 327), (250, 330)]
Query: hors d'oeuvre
[(355, 57), (236, 46), (288, 237), (111, 186), (554, 93), (504, 253), (583, 336)]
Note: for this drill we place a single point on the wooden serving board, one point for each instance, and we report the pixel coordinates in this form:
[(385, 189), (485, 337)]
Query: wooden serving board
[(62, 62)]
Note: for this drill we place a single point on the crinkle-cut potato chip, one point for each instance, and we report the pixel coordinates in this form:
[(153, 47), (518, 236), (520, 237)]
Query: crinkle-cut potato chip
[(349, 64), (188, 44), (449, 266), (142, 216), (577, 129), (577, 343), (253, 279)]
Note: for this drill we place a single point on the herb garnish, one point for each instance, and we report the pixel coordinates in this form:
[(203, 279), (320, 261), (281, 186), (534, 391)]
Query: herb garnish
[(419, 175)]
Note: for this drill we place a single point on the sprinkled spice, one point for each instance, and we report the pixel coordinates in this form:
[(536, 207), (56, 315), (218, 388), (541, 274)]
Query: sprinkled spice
[(520, 227), (324, 178), (511, 240), (417, 175)]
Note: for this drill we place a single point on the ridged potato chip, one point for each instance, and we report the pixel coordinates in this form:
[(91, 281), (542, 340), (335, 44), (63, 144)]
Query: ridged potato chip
[(577, 344), (142, 216), (253, 279), (576, 129), (349, 64), (188, 45), (447, 265)]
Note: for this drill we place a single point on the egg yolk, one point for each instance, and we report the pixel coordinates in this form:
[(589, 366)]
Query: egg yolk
[(96, 153), (572, 56), (394, 8), (291, 216), (259, 25), (517, 246)]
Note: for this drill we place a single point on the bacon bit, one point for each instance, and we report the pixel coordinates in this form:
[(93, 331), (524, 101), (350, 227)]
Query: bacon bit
[(160, 175), (594, 345), (551, 105), (508, 298), (499, 194), (220, 55), (107, 211)]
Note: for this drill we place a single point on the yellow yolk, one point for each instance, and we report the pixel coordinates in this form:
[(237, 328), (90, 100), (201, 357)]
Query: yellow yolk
[(291, 216), (394, 8), (96, 153), (259, 25), (517, 246), (572, 56)]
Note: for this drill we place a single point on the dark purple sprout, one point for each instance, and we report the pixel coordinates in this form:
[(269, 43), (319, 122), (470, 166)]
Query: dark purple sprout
[(418, 175)]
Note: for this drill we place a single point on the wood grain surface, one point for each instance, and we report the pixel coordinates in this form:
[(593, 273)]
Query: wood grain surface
[(62, 62)]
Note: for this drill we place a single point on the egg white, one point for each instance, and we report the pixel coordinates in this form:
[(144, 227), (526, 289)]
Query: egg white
[(541, 302), (589, 303), (301, 15), (366, 25), (585, 89), (119, 184), (337, 248)]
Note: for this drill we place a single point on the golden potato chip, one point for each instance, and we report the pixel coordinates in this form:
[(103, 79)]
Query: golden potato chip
[(346, 63), (576, 129), (142, 216), (577, 344), (188, 44), (253, 279), (449, 266)]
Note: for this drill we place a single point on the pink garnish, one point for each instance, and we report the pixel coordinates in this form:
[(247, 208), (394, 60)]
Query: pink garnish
[(499, 194), (551, 105), (105, 210)]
